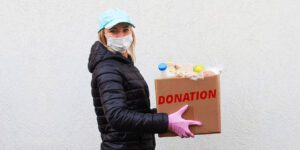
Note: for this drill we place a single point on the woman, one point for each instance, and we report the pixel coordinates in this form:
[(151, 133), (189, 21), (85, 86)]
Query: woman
[(120, 93)]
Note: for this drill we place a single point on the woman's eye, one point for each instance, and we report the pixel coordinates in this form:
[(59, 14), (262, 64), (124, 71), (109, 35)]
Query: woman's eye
[(125, 30), (112, 31)]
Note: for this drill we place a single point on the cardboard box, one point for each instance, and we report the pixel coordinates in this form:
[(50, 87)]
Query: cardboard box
[(202, 96)]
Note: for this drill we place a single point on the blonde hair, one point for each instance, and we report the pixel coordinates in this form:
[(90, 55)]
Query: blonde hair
[(131, 50)]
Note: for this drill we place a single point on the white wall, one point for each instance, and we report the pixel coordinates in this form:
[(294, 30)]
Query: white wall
[(45, 85)]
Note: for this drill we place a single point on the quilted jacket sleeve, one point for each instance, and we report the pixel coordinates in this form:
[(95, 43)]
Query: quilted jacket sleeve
[(112, 95)]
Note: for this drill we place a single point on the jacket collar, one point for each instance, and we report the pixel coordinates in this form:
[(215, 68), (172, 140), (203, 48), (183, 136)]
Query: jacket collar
[(100, 53)]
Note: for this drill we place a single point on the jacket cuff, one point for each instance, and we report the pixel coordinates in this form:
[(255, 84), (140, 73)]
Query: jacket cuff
[(164, 123)]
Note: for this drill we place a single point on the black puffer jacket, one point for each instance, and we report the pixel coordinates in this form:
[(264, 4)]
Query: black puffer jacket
[(121, 100)]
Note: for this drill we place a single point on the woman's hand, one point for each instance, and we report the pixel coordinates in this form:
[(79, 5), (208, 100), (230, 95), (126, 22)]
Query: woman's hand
[(179, 125)]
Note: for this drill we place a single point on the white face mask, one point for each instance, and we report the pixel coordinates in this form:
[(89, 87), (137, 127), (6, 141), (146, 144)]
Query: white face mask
[(120, 44)]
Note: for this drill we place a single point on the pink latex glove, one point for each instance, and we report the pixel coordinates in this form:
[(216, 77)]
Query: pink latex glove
[(179, 125)]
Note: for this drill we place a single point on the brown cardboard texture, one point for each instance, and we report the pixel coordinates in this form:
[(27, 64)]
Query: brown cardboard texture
[(202, 96)]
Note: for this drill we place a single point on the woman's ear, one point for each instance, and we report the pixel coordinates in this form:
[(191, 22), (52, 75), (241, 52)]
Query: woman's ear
[(106, 33)]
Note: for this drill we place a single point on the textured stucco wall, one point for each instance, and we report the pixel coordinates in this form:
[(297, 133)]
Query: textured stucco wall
[(45, 85)]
